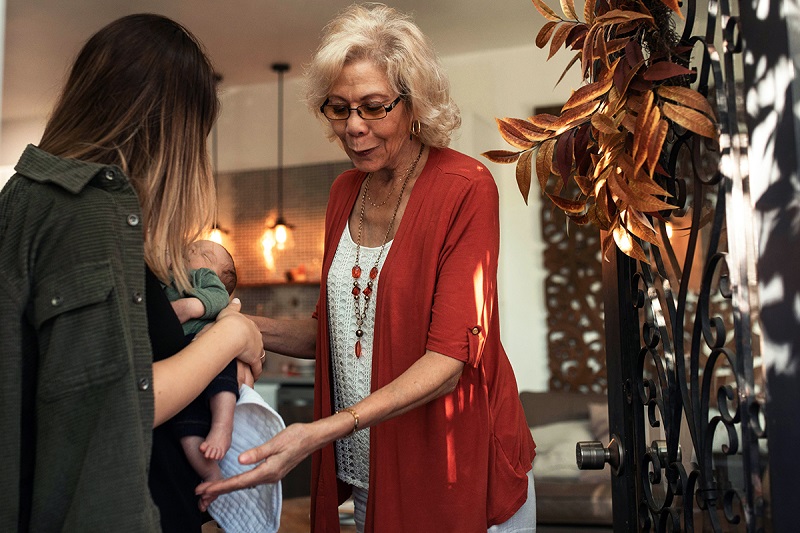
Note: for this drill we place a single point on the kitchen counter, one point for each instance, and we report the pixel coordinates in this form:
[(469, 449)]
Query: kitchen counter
[(269, 383)]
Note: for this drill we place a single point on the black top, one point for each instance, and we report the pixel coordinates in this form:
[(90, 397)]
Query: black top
[(172, 479)]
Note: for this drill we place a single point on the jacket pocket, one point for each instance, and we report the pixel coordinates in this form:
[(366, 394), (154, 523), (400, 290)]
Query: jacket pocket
[(80, 330), (71, 289)]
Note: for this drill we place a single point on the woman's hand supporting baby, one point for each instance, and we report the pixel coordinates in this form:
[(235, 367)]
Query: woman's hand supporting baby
[(254, 365), (232, 336), (252, 353)]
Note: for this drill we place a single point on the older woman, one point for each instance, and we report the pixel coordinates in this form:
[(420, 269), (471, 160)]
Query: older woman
[(416, 405)]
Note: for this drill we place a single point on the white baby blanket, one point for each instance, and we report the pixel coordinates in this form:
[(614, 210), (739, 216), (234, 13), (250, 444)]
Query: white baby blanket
[(255, 510)]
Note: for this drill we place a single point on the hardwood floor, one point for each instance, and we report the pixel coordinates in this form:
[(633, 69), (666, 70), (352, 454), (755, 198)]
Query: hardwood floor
[(295, 517)]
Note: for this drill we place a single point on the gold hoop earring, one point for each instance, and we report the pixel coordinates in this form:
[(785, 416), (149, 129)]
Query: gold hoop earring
[(416, 127)]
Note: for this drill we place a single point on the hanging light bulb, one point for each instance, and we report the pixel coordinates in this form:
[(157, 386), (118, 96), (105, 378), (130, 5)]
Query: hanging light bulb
[(216, 233), (278, 234), (281, 233)]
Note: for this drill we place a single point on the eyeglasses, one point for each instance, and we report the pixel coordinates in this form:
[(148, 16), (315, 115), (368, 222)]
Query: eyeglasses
[(365, 111)]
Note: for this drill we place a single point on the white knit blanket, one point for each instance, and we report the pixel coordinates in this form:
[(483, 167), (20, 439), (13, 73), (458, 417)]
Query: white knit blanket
[(255, 510)]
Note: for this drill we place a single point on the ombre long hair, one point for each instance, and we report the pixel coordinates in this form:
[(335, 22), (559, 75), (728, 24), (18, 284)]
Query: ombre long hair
[(142, 95)]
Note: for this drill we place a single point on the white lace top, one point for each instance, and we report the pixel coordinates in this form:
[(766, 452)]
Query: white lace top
[(351, 375)]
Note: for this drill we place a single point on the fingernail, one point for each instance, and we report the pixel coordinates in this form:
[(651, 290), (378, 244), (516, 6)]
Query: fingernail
[(236, 301)]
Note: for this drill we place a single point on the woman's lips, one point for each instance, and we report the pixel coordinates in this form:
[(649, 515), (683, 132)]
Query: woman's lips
[(362, 153)]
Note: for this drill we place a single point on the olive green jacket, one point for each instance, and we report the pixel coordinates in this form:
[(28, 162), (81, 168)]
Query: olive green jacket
[(75, 358)]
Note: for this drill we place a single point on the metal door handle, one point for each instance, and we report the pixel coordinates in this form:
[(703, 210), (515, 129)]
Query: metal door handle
[(592, 455)]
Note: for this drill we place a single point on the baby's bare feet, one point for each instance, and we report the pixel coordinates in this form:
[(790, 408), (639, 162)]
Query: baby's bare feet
[(207, 469), (217, 443)]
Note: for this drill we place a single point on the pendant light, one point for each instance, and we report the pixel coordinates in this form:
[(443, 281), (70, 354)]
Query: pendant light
[(280, 229), (216, 233)]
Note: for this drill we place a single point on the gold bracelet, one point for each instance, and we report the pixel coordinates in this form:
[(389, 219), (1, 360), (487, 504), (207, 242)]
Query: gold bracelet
[(355, 417)]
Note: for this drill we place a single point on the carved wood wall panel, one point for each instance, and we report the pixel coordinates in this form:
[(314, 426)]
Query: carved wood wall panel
[(574, 299)]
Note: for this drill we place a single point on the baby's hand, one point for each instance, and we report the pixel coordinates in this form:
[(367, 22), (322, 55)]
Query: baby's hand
[(188, 308)]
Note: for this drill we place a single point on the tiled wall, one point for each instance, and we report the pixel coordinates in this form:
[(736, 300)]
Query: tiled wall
[(248, 205)]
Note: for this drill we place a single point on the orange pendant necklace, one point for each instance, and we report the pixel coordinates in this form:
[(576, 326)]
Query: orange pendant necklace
[(361, 313)]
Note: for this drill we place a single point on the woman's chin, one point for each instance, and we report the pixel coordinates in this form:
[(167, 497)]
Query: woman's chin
[(365, 165)]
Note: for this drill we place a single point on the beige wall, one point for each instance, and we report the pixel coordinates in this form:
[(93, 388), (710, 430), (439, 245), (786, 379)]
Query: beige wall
[(510, 83)]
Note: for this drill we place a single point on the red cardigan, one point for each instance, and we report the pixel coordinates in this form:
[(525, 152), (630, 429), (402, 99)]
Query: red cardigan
[(458, 463)]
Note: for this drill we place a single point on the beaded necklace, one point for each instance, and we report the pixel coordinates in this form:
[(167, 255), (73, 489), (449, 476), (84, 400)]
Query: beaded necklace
[(361, 314)]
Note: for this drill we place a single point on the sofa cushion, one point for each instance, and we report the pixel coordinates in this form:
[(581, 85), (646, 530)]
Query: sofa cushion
[(555, 448), (598, 421), (543, 408)]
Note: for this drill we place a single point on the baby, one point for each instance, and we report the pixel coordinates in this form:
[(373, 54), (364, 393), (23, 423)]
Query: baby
[(206, 436)]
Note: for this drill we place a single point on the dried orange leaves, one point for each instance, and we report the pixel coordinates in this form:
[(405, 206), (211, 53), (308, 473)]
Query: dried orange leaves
[(609, 137)]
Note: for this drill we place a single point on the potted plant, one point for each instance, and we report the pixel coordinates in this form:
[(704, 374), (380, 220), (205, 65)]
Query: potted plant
[(607, 142)]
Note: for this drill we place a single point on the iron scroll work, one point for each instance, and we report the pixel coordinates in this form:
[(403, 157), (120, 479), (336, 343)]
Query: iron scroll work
[(695, 386)]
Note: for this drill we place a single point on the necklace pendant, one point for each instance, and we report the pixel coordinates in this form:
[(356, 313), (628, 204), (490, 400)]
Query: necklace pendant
[(367, 291)]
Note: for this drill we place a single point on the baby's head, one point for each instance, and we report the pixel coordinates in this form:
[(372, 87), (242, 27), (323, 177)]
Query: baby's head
[(208, 254)]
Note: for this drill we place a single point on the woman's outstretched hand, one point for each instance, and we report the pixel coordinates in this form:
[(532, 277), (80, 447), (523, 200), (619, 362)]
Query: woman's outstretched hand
[(277, 457)]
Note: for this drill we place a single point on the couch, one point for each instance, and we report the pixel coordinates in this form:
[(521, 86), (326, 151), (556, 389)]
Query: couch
[(566, 496)]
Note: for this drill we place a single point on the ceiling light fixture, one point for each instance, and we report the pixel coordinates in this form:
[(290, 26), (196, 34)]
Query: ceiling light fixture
[(216, 233), (281, 228)]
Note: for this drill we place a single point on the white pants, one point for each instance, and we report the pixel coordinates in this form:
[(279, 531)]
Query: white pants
[(523, 521)]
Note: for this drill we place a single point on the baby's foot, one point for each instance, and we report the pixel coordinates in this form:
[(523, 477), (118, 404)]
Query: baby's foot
[(217, 443)]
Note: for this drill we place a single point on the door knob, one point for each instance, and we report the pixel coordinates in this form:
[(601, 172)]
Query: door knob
[(592, 455), (659, 449)]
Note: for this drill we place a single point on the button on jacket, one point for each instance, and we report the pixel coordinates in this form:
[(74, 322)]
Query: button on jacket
[(76, 365)]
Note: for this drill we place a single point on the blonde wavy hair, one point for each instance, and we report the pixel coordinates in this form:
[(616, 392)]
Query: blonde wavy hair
[(142, 95), (391, 41)]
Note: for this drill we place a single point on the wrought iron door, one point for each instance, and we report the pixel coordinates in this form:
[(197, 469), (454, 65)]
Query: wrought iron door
[(694, 404)]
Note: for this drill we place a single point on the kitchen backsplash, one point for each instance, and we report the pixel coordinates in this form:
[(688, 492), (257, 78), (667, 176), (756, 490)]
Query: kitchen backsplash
[(248, 204)]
